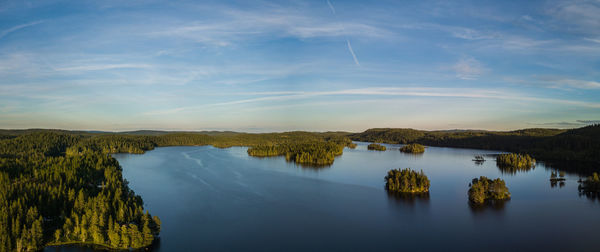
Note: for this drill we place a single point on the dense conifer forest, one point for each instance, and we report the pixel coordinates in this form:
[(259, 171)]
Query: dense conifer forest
[(485, 189), (51, 196), (413, 148), (406, 181)]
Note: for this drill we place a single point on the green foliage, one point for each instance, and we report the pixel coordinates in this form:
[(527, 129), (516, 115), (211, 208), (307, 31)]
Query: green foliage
[(377, 147), (406, 181), (515, 162), (484, 189), (57, 188), (310, 153), (413, 148)]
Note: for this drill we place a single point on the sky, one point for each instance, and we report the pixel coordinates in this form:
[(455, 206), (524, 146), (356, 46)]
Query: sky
[(262, 66)]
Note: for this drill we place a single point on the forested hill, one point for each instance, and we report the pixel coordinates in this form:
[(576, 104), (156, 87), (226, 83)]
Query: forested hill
[(582, 144)]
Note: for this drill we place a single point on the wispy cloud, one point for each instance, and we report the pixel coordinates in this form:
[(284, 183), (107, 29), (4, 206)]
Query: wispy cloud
[(560, 82), (241, 25), (580, 16), (19, 27), (468, 68), (381, 91), (98, 67)]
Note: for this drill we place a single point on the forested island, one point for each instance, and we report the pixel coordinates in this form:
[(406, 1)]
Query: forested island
[(581, 144), (377, 147), (413, 148), (310, 153), (518, 161), (512, 162), (487, 190), (406, 181)]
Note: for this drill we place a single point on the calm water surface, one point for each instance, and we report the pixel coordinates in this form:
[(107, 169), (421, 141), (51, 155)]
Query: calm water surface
[(212, 199)]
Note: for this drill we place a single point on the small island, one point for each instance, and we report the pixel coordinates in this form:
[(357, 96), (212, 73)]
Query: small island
[(377, 147), (406, 181), (487, 190), (479, 160), (555, 178), (516, 161), (590, 185), (413, 148)]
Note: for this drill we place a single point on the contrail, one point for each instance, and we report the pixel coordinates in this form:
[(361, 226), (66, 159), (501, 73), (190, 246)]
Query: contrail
[(331, 7), (344, 32), (18, 27), (352, 52)]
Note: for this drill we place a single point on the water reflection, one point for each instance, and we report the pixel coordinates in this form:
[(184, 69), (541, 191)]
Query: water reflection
[(554, 184), (593, 196), (413, 201), (572, 168), (557, 178), (511, 170), (492, 205), (479, 159)]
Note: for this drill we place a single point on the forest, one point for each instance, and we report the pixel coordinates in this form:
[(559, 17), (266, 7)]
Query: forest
[(581, 144), (377, 147), (487, 190), (309, 153), (51, 197), (413, 148), (406, 181)]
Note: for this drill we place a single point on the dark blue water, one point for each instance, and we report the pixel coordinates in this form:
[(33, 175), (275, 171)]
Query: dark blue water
[(212, 199)]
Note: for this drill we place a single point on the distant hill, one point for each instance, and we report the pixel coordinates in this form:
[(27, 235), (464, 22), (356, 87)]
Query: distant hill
[(582, 144)]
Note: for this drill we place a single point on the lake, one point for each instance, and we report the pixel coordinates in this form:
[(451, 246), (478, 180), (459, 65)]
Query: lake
[(212, 199)]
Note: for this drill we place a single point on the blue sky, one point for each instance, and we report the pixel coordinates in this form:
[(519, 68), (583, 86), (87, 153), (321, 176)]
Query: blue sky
[(299, 65)]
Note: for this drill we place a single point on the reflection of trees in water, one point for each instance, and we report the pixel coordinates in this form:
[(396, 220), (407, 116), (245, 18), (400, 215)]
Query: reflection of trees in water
[(554, 184), (590, 187), (313, 167), (557, 178), (593, 196), (410, 199), (581, 169), (512, 170), (493, 205)]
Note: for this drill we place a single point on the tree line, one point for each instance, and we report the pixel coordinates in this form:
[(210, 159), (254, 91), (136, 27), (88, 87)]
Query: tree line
[(582, 144)]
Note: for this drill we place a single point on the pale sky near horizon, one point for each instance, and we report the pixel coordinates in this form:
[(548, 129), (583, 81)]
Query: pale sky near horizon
[(260, 66)]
